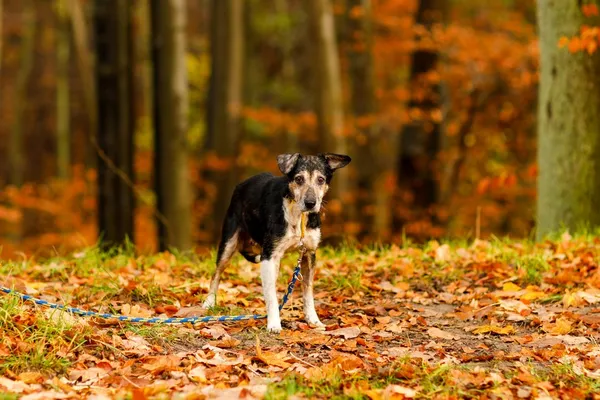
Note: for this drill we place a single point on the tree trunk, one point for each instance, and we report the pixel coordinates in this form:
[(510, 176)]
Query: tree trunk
[(86, 69), (420, 139), (224, 104), (63, 115), (374, 149), (1, 35), (170, 92), (328, 90), (568, 124), (16, 150), (112, 20)]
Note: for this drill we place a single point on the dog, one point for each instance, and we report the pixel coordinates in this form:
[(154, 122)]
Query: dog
[(264, 220)]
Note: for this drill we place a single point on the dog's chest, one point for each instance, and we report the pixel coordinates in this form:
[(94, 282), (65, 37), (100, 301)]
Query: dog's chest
[(293, 234)]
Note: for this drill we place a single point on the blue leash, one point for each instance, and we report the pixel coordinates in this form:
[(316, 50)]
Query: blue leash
[(157, 320)]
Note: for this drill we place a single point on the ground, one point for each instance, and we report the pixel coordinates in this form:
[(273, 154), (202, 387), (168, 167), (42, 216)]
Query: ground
[(480, 319)]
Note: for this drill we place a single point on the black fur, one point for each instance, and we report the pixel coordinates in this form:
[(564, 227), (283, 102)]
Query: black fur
[(257, 209)]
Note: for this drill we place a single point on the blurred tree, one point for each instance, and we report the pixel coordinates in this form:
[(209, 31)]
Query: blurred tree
[(1, 35), (374, 148), (112, 20), (568, 124), (328, 91), (420, 138), (172, 181), (85, 63), (224, 103), (16, 150), (63, 110)]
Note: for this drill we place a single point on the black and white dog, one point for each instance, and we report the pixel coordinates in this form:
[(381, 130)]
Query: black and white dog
[(263, 223)]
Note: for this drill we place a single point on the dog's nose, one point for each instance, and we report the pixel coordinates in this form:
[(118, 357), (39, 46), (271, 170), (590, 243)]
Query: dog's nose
[(310, 204)]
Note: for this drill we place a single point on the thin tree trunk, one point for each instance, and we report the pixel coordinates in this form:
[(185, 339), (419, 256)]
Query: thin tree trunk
[(1, 35), (420, 141), (328, 91), (568, 124), (86, 68), (63, 113), (224, 103), (16, 150), (112, 20), (170, 96), (375, 149)]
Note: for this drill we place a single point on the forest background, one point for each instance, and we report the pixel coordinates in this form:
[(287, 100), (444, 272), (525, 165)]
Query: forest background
[(435, 101)]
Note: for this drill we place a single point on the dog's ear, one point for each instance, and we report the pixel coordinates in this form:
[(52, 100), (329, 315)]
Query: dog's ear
[(336, 161), (287, 162)]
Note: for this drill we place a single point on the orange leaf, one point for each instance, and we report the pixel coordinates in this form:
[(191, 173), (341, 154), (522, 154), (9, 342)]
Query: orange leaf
[(500, 330), (589, 10)]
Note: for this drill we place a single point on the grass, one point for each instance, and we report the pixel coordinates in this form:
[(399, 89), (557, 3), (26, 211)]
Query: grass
[(433, 381), (39, 343), (33, 340)]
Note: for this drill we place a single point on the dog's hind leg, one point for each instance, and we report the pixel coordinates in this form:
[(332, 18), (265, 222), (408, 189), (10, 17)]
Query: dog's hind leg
[(227, 248), (309, 263)]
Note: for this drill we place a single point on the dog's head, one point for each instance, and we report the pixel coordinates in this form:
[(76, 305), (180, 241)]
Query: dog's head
[(309, 176)]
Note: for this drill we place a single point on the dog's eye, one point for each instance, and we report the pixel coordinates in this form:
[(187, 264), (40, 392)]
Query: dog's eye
[(321, 180), (299, 180)]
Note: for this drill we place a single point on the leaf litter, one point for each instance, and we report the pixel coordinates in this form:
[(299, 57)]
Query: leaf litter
[(510, 319)]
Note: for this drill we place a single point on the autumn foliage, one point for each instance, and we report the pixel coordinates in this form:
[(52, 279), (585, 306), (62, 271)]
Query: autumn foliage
[(484, 169)]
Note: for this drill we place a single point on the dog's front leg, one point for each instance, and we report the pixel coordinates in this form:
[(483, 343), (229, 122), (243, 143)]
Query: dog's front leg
[(269, 269), (309, 264)]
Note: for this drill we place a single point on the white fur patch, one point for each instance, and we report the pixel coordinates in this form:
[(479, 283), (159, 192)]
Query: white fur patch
[(268, 272), (310, 314)]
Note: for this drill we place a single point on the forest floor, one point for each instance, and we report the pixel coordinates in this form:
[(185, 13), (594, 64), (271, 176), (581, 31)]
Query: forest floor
[(496, 319)]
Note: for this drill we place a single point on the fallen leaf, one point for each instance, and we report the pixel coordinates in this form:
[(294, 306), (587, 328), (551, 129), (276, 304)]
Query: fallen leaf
[(198, 373), (440, 334), (215, 331), (500, 330), (442, 253), (524, 392), (562, 326), (13, 386), (348, 332), (391, 390), (196, 311), (590, 319), (31, 377), (46, 395), (270, 358), (159, 364), (227, 343), (510, 287), (533, 295)]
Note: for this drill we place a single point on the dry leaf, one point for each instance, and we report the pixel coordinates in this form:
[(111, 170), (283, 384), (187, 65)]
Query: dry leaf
[(270, 358), (13, 386), (500, 330), (562, 326), (440, 334), (198, 373), (348, 332), (392, 390)]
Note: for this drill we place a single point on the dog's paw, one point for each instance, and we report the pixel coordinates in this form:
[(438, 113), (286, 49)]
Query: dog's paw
[(274, 328), (209, 302), (315, 323)]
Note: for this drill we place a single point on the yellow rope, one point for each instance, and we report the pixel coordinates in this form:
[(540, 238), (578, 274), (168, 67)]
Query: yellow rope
[(302, 225)]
